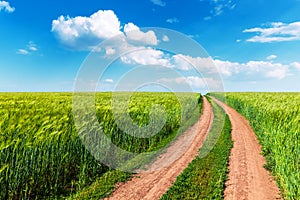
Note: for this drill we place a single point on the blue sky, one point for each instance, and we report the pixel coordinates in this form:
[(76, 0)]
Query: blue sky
[(254, 44)]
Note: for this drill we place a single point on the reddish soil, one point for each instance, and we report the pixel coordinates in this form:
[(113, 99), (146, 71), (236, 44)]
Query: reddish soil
[(153, 183), (248, 179)]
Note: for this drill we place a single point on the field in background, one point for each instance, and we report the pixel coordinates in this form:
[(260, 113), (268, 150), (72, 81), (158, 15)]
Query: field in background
[(275, 118), (41, 154)]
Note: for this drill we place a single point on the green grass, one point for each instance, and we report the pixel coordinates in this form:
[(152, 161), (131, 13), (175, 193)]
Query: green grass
[(102, 187), (41, 151), (204, 178), (275, 118)]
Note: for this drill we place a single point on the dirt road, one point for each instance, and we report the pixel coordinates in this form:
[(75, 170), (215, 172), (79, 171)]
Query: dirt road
[(248, 179), (152, 185)]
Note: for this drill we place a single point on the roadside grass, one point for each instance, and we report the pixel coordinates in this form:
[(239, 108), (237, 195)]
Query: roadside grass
[(42, 155), (274, 117), (102, 187), (106, 184), (205, 177)]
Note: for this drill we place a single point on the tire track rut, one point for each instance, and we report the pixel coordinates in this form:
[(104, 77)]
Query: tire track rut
[(247, 178)]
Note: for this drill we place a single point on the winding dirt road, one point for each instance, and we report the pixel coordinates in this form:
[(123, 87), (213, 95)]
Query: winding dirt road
[(154, 183), (248, 179)]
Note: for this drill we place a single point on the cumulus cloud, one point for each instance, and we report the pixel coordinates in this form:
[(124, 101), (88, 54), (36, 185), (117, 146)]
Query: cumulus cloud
[(110, 51), (150, 56), (191, 80), (279, 73), (146, 56), (4, 5), (253, 69), (203, 65), (85, 33), (82, 32), (195, 82), (172, 20), (296, 65), (159, 2), (227, 68), (275, 32), (133, 33), (180, 62)]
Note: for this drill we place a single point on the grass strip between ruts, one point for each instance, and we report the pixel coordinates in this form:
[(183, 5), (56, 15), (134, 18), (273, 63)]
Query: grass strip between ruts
[(204, 178)]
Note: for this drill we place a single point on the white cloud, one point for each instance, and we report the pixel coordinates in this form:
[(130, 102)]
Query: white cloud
[(108, 80), (193, 81), (146, 56), (218, 10), (165, 38), (271, 57), (22, 51), (196, 81), (252, 69), (276, 32), (296, 65), (150, 56), (278, 73), (172, 20), (83, 32), (219, 7), (31, 47), (187, 63), (159, 2), (227, 68), (110, 51), (4, 5), (133, 33), (268, 69), (181, 62)]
